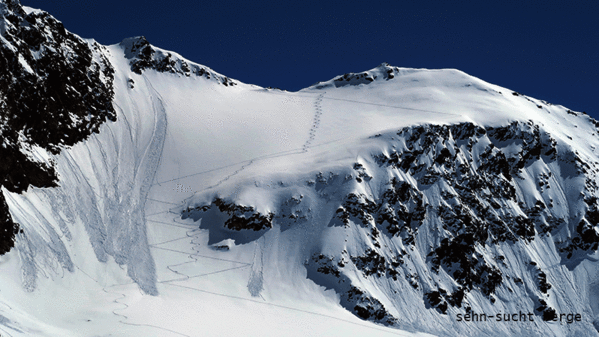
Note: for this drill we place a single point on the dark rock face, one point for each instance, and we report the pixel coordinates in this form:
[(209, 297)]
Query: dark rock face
[(473, 197), (55, 90), (238, 217), (399, 211), (143, 55), (8, 229), (456, 185), (327, 271), (477, 179), (386, 73), (586, 237), (367, 307)]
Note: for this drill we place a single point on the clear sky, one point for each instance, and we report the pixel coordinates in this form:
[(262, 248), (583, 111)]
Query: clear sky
[(545, 49)]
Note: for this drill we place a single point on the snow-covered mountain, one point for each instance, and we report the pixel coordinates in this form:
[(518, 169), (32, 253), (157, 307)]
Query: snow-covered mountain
[(147, 195)]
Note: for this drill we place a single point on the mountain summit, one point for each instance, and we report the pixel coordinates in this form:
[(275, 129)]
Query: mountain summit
[(148, 195)]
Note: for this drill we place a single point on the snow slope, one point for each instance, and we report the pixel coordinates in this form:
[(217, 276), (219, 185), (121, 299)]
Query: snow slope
[(211, 206)]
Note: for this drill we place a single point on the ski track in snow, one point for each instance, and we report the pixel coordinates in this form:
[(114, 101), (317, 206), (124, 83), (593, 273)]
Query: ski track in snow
[(148, 166), (244, 163), (307, 145), (123, 317), (118, 225), (145, 172), (255, 282), (369, 103), (399, 333), (195, 257), (391, 106), (228, 177)]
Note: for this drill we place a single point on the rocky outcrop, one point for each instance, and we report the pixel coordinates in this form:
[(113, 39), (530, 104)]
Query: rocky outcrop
[(455, 198), (142, 55), (238, 217), (55, 90), (384, 72)]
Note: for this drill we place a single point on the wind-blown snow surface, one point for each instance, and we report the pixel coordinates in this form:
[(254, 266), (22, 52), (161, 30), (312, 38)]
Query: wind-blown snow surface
[(116, 249)]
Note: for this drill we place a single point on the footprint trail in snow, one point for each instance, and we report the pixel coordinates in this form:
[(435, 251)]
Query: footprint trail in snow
[(315, 122)]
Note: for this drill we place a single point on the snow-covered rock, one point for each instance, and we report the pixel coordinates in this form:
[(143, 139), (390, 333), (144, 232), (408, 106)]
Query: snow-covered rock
[(183, 202)]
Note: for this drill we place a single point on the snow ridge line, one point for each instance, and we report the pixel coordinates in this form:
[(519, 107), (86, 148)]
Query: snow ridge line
[(315, 122), (371, 103)]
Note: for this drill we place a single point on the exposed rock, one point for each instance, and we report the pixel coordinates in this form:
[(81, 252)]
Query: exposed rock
[(55, 90), (142, 55), (238, 217), (476, 171)]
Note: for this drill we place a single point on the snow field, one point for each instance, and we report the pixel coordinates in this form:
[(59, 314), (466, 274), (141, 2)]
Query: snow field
[(110, 237)]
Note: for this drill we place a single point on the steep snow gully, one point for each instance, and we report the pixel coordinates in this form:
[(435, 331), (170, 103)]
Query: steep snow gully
[(146, 169)]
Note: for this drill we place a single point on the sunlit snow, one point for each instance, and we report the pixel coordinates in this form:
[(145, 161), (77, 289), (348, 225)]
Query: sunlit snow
[(107, 253)]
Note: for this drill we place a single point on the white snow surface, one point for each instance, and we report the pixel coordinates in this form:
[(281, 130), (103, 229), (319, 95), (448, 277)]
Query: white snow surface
[(107, 254)]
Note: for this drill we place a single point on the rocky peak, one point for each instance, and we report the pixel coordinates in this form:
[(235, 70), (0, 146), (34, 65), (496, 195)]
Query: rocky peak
[(383, 72), (142, 55), (55, 90), (133, 46)]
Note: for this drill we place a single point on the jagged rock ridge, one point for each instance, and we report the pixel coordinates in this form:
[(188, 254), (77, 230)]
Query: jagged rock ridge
[(143, 55)]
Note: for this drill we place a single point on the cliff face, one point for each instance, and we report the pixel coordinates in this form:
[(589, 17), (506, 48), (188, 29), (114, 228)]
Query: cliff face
[(55, 90)]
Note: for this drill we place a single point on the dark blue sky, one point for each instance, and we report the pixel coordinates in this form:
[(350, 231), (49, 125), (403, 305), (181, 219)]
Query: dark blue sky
[(545, 49)]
